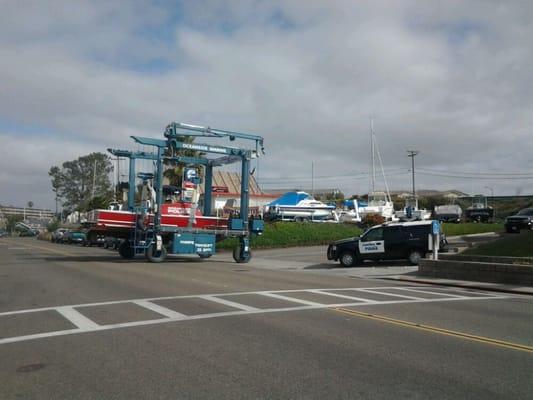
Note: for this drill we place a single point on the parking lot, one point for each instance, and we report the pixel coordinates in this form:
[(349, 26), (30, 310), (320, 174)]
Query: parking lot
[(78, 322)]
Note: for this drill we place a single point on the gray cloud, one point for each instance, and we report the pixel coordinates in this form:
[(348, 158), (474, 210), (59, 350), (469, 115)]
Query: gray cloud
[(452, 80)]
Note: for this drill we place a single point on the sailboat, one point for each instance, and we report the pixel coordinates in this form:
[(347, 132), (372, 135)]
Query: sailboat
[(379, 202)]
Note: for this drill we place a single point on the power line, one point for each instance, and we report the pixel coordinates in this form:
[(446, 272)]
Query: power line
[(355, 175), (477, 173), (444, 175)]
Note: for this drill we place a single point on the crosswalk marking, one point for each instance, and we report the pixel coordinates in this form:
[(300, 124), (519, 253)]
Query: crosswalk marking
[(229, 303), (167, 312), (390, 294), (78, 319), (342, 296), (74, 313), (286, 298)]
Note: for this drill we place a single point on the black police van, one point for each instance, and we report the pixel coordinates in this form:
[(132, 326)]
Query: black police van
[(389, 241)]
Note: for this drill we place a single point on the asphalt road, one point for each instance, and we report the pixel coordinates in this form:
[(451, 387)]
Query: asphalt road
[(80, 323)]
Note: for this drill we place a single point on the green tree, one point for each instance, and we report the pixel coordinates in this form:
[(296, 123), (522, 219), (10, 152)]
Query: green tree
[(52, 226), (12, 221), (78, 181)]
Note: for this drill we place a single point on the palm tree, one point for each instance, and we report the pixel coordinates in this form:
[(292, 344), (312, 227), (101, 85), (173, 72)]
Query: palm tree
[(173, 170)]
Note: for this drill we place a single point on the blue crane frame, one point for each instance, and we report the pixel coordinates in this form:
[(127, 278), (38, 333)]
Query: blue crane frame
[(239, 226)]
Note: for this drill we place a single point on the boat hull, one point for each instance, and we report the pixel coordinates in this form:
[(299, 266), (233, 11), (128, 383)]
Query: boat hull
[(110, 220)]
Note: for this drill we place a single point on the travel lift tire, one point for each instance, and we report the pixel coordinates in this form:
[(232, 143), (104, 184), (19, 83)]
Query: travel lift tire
[(239, 257), (154, 255), (126, 251)]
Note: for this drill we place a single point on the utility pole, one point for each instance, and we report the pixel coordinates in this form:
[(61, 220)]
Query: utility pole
[(312, 179), (412, 154), (94, 178)]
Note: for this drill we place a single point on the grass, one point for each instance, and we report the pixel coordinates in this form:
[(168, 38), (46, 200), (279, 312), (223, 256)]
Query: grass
[(289, 234), (511, 245), (470, 228)]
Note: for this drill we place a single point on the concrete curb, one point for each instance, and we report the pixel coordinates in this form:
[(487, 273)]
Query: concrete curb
[(464, 285)]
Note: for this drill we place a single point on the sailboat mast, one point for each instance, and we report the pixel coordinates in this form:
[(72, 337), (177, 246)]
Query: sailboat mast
[(373, 158)]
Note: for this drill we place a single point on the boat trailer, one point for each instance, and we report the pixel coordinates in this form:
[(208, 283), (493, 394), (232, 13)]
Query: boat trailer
[(156, 228)]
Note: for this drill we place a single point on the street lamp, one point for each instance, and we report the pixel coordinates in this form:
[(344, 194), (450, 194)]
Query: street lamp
[(491, 191)]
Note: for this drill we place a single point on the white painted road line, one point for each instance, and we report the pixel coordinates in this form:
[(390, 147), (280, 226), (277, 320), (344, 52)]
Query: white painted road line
[(86, 325), (191, 296), (78, 319), (292, 299), (167, 312), (17, 248), (428, 292), (342, 296), (229, 303), (389, 294)]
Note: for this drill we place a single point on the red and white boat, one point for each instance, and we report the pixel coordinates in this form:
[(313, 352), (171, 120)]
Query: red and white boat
[(174, 215)]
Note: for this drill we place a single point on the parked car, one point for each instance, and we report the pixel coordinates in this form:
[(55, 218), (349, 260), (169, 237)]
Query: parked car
[(390, 241), (112, 243), (74, 236), (3, 233), (522, 220), (94, 240), (57, 235)]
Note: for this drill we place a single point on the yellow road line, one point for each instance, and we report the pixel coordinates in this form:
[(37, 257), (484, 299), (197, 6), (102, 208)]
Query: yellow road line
[(433, 329)]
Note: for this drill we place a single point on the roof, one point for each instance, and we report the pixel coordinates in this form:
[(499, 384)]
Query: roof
[(409, 223), (232, 181)]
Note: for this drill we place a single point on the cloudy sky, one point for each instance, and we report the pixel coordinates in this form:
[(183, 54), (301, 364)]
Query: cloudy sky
[(452, 79)]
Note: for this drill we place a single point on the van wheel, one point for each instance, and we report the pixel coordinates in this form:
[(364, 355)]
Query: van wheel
[(347, 259), (415, 256)]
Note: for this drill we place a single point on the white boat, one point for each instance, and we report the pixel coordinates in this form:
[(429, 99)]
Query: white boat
[(350, 213), (298, 206), (378, 203), (448, 213), (411, 212)]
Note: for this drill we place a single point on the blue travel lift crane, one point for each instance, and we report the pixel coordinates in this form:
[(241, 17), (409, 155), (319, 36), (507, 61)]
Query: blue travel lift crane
[(156, 241)]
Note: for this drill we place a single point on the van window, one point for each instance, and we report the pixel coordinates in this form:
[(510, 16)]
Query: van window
[(373, 234), (417, 231), (393, 233)]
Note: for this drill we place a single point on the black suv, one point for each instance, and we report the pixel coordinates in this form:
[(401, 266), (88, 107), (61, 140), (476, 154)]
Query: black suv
[(390, 241), (522, 220)]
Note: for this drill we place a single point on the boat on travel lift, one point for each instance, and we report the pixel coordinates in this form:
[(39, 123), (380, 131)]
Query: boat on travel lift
[(298, 206), (379, 202)]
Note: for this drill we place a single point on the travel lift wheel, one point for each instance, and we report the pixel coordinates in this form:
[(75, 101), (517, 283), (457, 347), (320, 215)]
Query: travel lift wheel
[(154, 255), (125, 250), (242, 253)]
